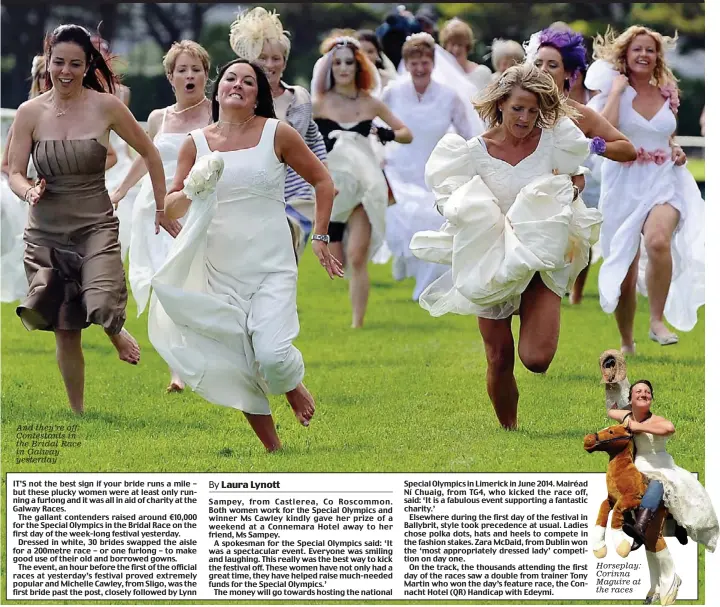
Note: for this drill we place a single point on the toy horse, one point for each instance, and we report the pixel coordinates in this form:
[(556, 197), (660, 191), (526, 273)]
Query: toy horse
[(626, 486)]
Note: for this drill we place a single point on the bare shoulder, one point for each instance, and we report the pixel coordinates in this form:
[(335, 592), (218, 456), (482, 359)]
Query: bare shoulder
[(32, 107), (286, 134)]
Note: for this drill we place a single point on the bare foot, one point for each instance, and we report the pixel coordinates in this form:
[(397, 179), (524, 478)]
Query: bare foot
[(78, 410), (176, 384), (628, 350), (302, 404), (126, 346)]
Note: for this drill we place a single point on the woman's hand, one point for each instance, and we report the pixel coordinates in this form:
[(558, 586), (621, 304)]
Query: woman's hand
[(332, 266), (34, 193), (171, 226), (116, 196), (619, 84), (678, 156)]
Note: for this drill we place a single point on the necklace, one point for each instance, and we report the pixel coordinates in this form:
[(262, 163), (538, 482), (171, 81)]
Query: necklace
[(357, 94), (248, 119), (59, 112), (175, 111)]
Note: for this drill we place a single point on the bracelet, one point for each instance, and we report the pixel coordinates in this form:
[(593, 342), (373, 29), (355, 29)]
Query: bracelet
[(576, 192), (25, 197), (159, 210), (598, 146)]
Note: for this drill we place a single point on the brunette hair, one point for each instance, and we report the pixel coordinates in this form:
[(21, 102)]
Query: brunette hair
[(641, 381), (264, 107), (99, 75), (365, 72)]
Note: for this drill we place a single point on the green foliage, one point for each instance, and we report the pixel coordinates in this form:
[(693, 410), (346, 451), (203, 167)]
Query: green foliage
[(216, 40), (692, 102)]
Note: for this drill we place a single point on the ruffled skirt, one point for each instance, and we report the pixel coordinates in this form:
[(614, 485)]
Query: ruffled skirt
[(686, 499), (629, 193), (493, 256), (360, 181)]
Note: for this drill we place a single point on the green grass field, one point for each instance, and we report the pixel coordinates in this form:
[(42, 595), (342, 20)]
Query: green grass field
[(406, 393)]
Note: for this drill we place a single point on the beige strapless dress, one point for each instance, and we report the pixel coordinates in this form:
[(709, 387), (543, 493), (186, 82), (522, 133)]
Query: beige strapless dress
[(72, 252)]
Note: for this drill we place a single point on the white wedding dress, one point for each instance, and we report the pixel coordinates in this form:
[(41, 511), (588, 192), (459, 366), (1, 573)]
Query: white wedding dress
[(223, 313), (428, 117), (14, 210), (684, 496), (628, 193), (148, 251), (113, 178), (505, 223)]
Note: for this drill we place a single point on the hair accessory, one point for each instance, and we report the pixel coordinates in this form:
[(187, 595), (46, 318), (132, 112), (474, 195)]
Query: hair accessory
[(422, 36), (251, 29)]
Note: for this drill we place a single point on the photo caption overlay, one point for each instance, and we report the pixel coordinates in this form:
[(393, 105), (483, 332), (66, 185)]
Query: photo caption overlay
[(318, 537)]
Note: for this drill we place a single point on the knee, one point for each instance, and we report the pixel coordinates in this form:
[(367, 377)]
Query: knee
[(537, 361), (657, 244), (357, 257), (271, 357), (106, 313)]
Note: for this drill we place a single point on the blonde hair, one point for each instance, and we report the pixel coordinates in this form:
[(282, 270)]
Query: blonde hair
[(190, 47), (38, 76), (456, 29), (418, 44), (529, 78), (613, 49), (252, 29), (506, 48)]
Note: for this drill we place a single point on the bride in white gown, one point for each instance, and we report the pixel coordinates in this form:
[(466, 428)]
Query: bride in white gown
[(223, 312), (653, 235), (686, 499), (429, 109), (516, 234), (186, 65)]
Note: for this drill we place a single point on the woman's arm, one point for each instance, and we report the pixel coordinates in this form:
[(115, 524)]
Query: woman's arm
[(402, 133), (611, 111), (111, 157), (5, 165), (656, 425), (125, 125), (176, 202), (618, 147), (19, 155), (293, 151), (618, 415), (138, 169)]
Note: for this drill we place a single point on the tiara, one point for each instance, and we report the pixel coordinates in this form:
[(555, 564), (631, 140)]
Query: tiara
[(346, 41), (421, 37)]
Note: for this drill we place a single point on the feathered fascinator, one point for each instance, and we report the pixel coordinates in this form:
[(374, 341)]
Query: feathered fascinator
[(569, 44), (252, 29)]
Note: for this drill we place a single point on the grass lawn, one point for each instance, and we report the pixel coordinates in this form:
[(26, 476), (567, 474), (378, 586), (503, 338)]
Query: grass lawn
[(406, 393)]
